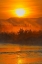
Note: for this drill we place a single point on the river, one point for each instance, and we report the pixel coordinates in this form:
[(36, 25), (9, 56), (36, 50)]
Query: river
[(20, 54)]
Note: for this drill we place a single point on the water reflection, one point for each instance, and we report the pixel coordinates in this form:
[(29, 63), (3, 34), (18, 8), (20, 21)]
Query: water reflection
[(16, 54), (19, 61)]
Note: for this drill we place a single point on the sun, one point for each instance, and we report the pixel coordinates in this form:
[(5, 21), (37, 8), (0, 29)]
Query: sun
[(20, 12)]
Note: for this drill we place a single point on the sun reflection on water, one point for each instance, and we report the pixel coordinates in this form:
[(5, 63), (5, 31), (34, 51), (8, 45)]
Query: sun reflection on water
[(19, 60)]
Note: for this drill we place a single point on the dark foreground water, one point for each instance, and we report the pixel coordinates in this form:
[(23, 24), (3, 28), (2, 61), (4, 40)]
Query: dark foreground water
[(20, 54)]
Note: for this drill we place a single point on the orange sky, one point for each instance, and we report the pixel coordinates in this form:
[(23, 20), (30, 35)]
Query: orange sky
[(33, 7), (14, 24)]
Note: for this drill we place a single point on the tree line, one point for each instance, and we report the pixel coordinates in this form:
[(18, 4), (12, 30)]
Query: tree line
[(22, 37)]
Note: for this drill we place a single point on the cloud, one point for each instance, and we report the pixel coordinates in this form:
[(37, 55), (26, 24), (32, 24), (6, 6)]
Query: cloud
[(39, 21), (14, 24)]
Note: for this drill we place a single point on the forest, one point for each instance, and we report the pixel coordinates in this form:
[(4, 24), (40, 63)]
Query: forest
[(22, 37)]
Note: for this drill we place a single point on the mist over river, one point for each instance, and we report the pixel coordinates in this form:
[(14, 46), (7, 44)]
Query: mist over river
[(20, 54)]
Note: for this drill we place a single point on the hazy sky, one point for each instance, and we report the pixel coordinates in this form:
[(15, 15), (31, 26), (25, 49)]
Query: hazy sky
[(33, 7)]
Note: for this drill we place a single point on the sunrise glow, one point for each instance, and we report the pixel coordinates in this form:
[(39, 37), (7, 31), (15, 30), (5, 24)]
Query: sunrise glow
[(20, 31), (25, 14), (20, 12)]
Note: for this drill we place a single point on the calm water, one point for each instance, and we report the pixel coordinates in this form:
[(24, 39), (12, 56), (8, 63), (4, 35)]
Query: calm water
[(20, 54)]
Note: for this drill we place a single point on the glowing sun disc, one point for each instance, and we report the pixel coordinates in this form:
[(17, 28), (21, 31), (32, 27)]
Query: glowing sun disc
[(20, 12)]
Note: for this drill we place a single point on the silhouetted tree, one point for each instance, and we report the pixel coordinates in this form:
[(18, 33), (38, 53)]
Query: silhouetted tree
[(22, 37)]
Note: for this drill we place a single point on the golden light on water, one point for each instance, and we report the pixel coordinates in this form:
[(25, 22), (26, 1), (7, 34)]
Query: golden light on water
[(19, 61)]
